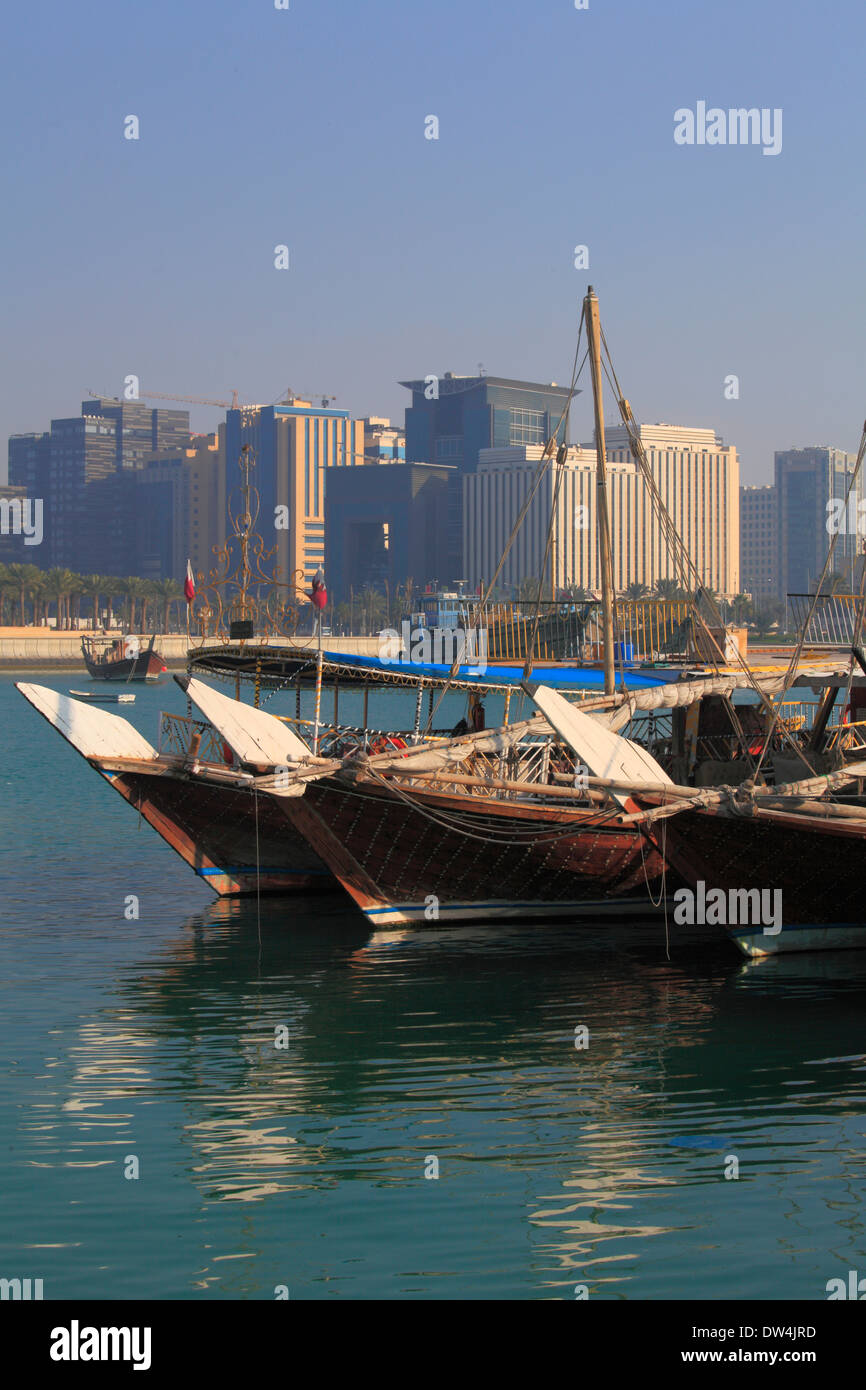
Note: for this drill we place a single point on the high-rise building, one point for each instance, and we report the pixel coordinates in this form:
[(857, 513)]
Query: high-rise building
[(294, 446), (84, 470), (141, 430), (811, 486), (383, 442), (384, 527), (177, 505), (698, 478), (86, 533), (29, 471), (759, 542), (30, 463), (452, 418)]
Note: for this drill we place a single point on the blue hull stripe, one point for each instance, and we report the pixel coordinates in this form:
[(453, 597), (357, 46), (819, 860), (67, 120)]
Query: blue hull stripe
[(250, 869)]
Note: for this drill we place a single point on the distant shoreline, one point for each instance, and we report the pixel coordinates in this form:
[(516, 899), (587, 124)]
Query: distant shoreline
[(59, 664)]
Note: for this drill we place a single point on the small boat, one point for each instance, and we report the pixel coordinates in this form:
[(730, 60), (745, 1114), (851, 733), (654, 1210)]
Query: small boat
[(121, 659), (97, 696)]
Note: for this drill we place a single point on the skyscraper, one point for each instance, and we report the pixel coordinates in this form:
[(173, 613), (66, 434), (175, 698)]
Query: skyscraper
[(452, 418), (759, 542), (84, 470), (696, 474), (811, 485), (294, 445)]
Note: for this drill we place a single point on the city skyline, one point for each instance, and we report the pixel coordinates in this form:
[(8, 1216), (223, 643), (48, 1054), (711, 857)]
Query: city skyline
[(410, 255)]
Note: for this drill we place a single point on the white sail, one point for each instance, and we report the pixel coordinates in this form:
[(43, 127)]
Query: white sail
[(602, 752), (253, 735), (94, 732)]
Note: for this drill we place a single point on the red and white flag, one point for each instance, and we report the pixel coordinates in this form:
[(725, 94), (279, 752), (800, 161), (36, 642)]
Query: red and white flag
[(319, 594), (189, 584)]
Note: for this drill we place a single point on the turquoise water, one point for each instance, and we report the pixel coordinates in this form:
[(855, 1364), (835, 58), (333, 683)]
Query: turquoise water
[(154, 1038)]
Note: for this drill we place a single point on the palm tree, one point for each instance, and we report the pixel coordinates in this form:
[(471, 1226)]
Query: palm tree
[(111, 586), (529, 588), (6, 590), (24, 577), (91, 587), (668, 588), (132, 590), (373, 604), (169, 591), (76, 589), (836, 583), (635, 591), (139, 592), (58, 583), (37, 595)]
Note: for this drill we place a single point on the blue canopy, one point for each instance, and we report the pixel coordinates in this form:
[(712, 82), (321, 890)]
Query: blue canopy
[(559, 677)]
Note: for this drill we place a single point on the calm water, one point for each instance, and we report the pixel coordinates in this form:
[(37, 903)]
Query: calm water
[(305, 1167)]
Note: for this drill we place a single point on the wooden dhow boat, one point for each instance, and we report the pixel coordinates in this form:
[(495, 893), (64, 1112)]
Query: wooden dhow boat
[(121, 659), (203, 805), (780, 868)]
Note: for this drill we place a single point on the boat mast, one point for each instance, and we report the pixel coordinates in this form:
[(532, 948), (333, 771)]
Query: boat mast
[(593, 330)]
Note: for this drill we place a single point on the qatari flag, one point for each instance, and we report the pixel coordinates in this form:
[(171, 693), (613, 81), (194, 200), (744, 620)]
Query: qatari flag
[(189, 584), (319, 594)]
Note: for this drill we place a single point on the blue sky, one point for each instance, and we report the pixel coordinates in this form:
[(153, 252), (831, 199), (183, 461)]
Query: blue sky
[(409, 256)]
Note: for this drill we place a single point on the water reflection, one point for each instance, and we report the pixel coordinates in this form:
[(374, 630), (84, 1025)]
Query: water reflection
[(460, 1042)]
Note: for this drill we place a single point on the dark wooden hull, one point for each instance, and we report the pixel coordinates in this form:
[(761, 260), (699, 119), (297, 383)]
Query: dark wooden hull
[(213, 828), (400, 864), (819, 866), (147, 666)]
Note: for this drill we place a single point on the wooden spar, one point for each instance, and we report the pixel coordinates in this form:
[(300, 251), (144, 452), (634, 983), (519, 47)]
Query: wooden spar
[(765, 800), (590, 305), (463, 779), (822, 716)]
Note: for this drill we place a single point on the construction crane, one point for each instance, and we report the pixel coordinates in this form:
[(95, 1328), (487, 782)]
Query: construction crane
[(324, 397), (186, 400)]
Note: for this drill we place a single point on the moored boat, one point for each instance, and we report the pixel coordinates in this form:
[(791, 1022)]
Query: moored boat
[(100, 698), (121, 659), (206, 809)]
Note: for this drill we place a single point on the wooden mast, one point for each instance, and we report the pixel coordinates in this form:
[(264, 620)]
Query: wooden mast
[(593, 330)]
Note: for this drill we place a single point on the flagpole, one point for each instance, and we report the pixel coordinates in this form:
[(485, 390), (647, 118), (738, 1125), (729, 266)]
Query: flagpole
[(319, 597), (189, 595)]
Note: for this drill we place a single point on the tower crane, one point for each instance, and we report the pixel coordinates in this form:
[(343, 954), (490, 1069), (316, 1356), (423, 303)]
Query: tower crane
[(325, 397), (186, 400)]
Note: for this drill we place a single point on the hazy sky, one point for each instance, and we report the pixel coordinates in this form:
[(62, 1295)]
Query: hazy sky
[(306, 127)]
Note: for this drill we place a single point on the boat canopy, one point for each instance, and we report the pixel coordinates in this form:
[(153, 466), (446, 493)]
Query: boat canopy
[(559, 677)]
